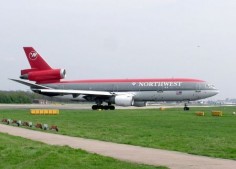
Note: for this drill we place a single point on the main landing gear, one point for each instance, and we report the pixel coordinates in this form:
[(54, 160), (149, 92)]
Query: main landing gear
[(101, 107), (186, 108)]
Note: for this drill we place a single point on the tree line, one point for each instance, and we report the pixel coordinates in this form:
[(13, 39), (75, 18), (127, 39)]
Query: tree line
[(18, 97)]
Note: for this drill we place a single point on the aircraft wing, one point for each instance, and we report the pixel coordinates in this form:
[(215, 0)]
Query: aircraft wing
[(44, 89), (84, 92)]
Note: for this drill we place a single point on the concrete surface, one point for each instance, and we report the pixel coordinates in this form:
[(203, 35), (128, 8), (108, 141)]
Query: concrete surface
[(136, 154)]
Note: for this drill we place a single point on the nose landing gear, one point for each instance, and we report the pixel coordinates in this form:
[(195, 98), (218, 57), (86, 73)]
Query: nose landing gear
[(186, 108)]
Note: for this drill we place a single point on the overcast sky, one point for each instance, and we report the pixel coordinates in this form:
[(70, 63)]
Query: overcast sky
[(95, 39)]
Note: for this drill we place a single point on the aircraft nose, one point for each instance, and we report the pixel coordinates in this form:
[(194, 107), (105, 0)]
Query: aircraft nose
[(214, 92)]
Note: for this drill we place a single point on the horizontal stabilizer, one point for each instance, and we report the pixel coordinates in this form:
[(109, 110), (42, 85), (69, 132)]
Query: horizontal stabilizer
[(32, 85)]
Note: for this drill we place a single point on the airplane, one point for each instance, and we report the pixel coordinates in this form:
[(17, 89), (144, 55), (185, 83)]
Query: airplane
[(121, 92)]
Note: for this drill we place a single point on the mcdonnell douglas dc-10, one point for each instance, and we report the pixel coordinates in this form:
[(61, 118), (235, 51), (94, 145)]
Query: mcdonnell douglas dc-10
[(121, 92)]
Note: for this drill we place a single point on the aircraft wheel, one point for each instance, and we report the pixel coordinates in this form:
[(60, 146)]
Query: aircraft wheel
[(112, 107), (186, 108), (94, 107), (101, 107)]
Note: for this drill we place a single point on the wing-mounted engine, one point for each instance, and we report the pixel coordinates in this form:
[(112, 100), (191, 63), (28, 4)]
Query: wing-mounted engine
[(123, 100), (43, 75)]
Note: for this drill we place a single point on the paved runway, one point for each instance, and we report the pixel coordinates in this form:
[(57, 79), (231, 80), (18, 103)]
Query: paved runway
[(88, 106), (64, 106), (45, 106), (171, 159)]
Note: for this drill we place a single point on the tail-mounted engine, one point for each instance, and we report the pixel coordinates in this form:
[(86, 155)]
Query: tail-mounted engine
[(43, 75)]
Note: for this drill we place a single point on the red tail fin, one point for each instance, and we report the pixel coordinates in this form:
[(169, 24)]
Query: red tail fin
[(40, 71), (35, 60)]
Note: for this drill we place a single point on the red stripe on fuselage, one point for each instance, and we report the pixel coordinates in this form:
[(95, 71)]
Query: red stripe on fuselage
[(129, 80)]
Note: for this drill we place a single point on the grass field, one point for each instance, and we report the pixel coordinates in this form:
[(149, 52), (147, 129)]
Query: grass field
[(171, 129), (19, 153)]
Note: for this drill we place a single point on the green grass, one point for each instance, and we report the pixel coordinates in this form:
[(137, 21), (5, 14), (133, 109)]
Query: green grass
[(19, 153), (172, 129)]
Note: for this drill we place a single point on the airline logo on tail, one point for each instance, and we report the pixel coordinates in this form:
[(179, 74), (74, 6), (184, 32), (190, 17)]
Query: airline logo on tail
[(40, 71), (33, 55), (35, 60)]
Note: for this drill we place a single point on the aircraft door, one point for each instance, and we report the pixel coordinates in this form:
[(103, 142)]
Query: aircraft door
[(197, 92), (159, 93), (197, 86)]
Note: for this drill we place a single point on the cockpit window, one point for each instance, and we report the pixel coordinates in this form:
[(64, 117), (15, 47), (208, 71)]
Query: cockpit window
[(210, 86)]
